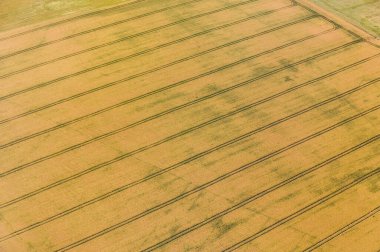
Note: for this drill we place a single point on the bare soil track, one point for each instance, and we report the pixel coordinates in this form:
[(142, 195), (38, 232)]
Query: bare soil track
[(213, 125)]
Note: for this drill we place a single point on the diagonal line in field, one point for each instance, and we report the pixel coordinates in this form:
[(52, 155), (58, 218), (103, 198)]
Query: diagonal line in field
[(133, 35), (201, 99), (175, 166), (62, 125), (343, 229), (220, 178), (71, 19), (150, 118), (303, 210), (89, 31), (155, 69), (265, 192)]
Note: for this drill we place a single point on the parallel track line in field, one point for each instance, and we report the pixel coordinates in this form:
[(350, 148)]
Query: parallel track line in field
[(264, 192), (343, 229), (303, 210), (155, 69), (62, 125), (133, 35), (186, 161), (72, 19), (166, 112), (85, 32), (220, 178)]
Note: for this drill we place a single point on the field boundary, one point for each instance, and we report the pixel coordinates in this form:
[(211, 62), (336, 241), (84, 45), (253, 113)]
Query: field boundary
[(340, 21)]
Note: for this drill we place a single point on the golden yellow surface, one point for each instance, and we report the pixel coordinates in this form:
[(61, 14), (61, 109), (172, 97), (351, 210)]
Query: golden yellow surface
[(247, 125)]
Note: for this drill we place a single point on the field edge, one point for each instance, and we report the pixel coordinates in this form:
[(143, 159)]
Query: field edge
[(341, 21)]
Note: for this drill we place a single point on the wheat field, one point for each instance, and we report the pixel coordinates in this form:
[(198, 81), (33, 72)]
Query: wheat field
[(189, 125)]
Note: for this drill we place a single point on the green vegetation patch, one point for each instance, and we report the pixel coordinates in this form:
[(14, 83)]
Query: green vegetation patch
[(363, 13)]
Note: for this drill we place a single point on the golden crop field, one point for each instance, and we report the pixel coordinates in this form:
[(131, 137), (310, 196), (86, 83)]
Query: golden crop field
[(189, 125)]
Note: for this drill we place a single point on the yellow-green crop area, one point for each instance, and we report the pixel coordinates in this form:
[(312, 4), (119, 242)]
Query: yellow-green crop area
[(364, 13), (189, 125)]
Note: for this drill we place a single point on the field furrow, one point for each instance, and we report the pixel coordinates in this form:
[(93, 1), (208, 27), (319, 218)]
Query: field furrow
[(213, 125)]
